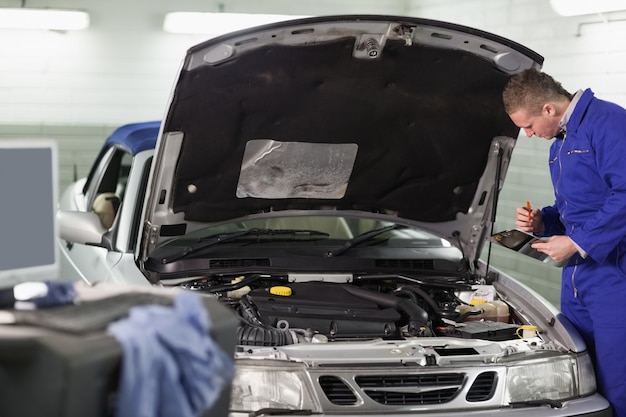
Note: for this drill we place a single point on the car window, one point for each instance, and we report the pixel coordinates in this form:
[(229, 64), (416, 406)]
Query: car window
[(336, 227), (107, 187)]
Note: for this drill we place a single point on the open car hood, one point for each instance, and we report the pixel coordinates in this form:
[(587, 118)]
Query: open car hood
[(393, 117)]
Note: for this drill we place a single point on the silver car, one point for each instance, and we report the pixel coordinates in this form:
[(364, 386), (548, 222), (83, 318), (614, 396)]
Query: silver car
[(333, 180)]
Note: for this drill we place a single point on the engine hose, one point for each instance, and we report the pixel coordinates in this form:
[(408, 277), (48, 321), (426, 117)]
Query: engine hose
[(424, 296), (417, 316), (256, 333), (258, 336), (465, 315)]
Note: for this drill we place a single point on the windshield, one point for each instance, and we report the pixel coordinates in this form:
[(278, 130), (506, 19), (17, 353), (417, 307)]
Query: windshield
[(306, 244), (336, 232)]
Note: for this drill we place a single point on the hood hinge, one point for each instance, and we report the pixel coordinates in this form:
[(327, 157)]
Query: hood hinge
[(150, 237)]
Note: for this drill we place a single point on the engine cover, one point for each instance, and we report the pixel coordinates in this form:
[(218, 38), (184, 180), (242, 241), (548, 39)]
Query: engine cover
[(326, 308)]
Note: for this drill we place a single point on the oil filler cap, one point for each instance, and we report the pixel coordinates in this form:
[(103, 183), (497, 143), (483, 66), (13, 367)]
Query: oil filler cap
[(282, 291)]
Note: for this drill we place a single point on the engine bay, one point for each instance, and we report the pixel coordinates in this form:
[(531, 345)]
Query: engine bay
[(277, 310)]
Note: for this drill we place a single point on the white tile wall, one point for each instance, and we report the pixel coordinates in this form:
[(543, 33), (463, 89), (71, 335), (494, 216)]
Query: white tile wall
[(122, 68), (581, 52)]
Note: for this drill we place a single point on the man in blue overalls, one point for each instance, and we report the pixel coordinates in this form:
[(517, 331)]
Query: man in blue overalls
[(586, 226)]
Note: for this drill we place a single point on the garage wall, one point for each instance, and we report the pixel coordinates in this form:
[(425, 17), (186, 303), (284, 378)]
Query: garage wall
[(77, 87), (581, 52)]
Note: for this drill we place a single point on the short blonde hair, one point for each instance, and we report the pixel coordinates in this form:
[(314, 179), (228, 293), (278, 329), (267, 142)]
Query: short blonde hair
[(530, 89)]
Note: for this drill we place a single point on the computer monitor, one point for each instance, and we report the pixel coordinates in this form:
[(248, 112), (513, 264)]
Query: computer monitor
[(28, 204)]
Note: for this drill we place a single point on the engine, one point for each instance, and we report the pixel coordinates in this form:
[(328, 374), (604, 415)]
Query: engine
[(277, 311)]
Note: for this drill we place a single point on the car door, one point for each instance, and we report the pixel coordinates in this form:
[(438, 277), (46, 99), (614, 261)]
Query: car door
[(103, 193)]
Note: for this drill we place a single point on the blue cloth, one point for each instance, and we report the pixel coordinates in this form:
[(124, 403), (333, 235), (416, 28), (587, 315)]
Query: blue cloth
[(35, 295), (170, 366), (588, 172), (59, 293)]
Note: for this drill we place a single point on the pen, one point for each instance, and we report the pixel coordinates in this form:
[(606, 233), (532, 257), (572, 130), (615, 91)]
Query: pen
[(528, 208)]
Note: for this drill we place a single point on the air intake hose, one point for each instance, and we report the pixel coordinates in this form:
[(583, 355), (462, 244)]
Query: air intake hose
[(418, 318), (258, 336)]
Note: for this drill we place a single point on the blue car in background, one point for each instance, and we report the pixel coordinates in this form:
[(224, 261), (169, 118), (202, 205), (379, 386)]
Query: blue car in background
[(332, 181), (113, 192)]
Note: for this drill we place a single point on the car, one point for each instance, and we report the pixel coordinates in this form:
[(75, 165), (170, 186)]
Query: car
[(333, 180)]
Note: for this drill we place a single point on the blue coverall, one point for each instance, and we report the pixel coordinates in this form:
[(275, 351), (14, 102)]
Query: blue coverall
[(588, 170)]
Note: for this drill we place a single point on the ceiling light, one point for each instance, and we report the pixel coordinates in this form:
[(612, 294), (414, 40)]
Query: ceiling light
[(217, 23), (580, 7), (43, 19)]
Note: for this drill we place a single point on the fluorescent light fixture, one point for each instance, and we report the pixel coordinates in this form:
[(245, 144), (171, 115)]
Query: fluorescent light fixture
[(217, 23), (580, 7), (25, 18)]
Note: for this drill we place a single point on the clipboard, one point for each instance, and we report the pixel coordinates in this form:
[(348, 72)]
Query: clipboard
[(520, 241)]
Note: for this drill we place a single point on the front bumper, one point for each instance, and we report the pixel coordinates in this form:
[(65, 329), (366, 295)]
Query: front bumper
[(592, 406)]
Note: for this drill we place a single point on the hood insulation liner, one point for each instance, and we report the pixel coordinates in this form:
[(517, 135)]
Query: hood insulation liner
[(422, 119)]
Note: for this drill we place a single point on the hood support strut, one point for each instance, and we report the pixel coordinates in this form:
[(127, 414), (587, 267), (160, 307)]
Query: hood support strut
[(494, 208)]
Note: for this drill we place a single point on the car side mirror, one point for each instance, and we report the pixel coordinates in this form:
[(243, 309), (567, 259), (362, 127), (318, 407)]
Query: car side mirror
[(82, 227)]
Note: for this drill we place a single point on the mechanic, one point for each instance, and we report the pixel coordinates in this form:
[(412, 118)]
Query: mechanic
[(587, 224)]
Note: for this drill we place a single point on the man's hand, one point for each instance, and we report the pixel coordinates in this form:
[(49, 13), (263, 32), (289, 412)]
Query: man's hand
[(528, 221), (559, 248)]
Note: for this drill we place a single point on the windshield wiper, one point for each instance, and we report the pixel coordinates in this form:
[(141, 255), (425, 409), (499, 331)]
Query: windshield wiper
[(363, 237), (212, 240)]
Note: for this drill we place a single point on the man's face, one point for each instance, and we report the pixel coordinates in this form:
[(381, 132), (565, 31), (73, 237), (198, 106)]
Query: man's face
[(544, 125)]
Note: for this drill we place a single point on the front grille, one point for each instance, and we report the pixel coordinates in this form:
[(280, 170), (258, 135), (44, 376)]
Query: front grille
[(483, 387), (423, 398), (411, 389), (337, 391), (380, 390)]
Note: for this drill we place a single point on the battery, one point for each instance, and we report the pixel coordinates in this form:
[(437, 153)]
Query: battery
[(487, 330)]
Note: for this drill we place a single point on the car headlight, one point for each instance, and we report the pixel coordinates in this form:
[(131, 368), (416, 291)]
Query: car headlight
[(551, 377), (586, 375), (271, 384)]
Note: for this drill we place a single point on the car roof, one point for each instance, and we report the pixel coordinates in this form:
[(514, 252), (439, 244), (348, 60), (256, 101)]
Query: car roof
[(134, 137)]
